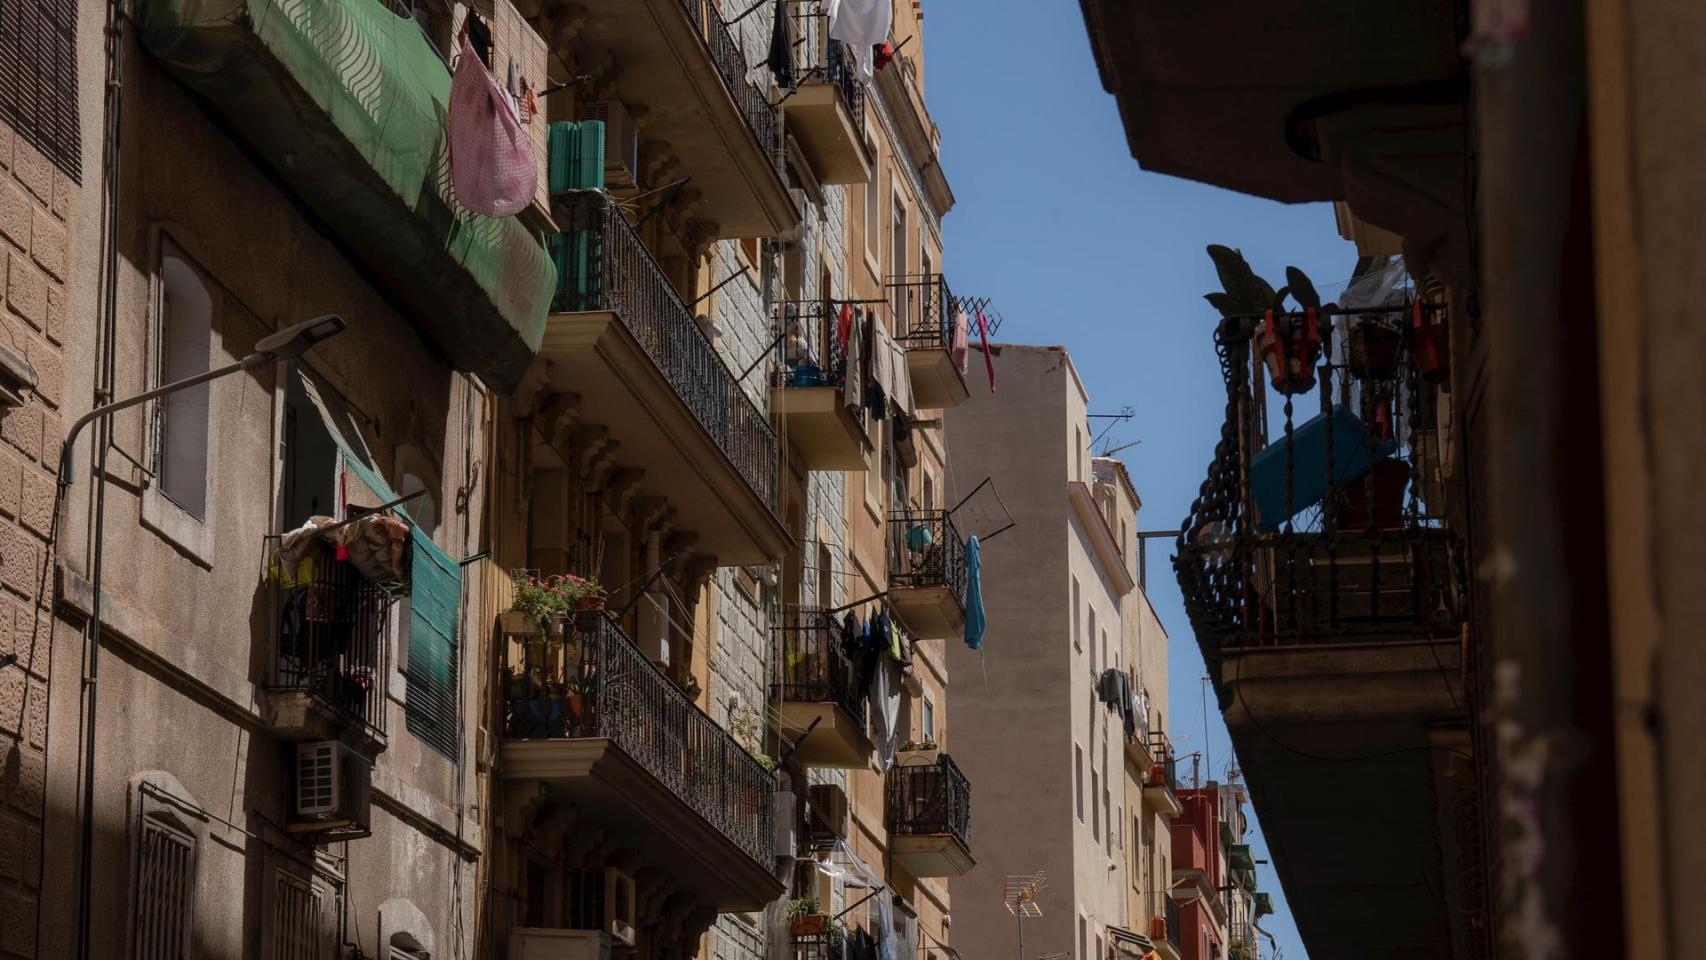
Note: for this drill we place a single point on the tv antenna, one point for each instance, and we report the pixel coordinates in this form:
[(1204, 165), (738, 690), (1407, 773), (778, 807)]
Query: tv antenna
[(1019, 892)]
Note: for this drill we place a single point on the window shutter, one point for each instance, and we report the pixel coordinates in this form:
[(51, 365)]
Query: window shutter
[(38, 78), (435, 599)]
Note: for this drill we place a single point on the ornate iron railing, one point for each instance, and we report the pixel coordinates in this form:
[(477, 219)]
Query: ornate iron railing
[(930, 800), (925, 550), (1165, 772), (590, 680), (1332, 531), (924, 309), (752, 102), (839, 69), (814, 667), (1170, 912), (331, 629), (620, 275), (826, 361)]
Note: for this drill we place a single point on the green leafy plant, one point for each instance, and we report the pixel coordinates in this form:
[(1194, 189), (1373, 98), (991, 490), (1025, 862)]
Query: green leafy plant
[(546, 599), (803, 907), (1245, 294), (1241, 950), (925, 744)]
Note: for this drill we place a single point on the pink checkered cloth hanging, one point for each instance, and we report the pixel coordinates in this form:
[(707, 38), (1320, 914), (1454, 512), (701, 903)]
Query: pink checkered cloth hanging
[(491, 158)]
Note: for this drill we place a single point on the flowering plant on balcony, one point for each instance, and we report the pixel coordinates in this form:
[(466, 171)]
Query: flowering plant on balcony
[(917, 753), (545, 601)]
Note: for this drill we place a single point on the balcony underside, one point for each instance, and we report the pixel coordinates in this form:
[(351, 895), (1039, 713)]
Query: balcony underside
[(302, 715), (609, 789), (1162, 800), (838, 742), (931, 855), (349, 109), (1346, 751), (819, 427), (593, 356), (669, 80), (930, 613), (831, 136), (936, 382)]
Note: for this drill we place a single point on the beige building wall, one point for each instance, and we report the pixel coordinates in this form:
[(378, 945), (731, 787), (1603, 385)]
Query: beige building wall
[(1058, 789)]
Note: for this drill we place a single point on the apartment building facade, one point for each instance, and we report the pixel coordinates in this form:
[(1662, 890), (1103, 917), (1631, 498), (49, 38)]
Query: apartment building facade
[(1214, 874), (272, 699), (1081, 789)]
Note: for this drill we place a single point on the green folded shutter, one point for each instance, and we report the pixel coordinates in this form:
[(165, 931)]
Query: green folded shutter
[(576, 163)]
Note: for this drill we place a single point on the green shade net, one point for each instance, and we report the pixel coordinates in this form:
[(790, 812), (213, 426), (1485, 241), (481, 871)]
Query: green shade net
[(347, 102)]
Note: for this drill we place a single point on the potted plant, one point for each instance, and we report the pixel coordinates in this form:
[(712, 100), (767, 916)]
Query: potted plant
[(806, 918), (1289, 343), (917, 753), (542, 603), (1373, 349), (1430, 342)]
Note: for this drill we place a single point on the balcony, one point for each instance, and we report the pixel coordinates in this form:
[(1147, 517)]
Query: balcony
[(929, 818), (1161, 780), (589, 716), (346, 101), (819, 691), (329, 656), (1167, 944), (682, 70), (1328, 594), (927, 573), (811, 398), (827, 114), (927, 324), (637, 365)]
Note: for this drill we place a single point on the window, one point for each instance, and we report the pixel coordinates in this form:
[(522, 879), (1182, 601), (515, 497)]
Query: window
[(929, 719), (187, 303), (1095, 810), (1078, 779), (301, 921), (1076, 622), (1083, 942), (904, 297), (1099, 948), (1077, 454), (929, 501), (1091, 636), (38, 80), (165, 889), (1105, 655), (873, 212), (825, 576), (1107, 815), (1124, 536)]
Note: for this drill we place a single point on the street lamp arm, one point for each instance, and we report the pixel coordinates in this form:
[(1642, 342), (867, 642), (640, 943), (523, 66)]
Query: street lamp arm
[(66, 453)]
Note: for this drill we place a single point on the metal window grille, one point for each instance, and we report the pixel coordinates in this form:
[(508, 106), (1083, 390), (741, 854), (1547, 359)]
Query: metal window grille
[(165, 891), (295, 919), (38, 78)]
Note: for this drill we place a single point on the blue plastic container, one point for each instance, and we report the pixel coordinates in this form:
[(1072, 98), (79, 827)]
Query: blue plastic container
[(1355, 451)]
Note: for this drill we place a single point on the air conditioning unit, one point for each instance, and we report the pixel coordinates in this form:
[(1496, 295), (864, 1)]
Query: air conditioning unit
[(621, 143), (827, 817), (538, 943), (603, 901), (333, 788), (800, 234)]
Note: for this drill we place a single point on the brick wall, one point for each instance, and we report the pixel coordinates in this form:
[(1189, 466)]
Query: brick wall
[(35, 200)]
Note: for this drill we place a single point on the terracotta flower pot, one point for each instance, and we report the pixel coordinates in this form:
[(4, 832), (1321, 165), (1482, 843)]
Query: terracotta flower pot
[(809, 925), (1290, 345), (1373, 350)]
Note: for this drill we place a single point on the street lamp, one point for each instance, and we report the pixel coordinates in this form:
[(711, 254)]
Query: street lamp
[(286, 344)]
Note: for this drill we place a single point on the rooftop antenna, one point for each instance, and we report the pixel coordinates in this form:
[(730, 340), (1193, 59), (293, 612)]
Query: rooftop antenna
[(1019, 892), (1111, 450)]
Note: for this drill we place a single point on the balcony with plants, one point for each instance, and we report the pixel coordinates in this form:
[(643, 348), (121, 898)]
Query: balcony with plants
[(927, 573), (346, 101), (1322, 517), (646, 380), (331, 588), (822, 707), (819, 405), (588, 715), (929, 818), (682, 69)]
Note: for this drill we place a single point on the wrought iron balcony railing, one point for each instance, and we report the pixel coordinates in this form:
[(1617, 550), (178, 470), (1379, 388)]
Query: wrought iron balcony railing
[(1333, 530), (1165, 772), (591, 681), (930, 800), (331, 629), (620, 275), (824, 362), (926, 311), (1170, 912), (840, 70), (814, 667), (925, 550), (752, 101)]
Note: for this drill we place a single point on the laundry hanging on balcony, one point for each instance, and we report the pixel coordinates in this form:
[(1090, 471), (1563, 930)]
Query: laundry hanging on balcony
[(781, 59), (988, 358), (861, 24), (976, 622), (491, 156)]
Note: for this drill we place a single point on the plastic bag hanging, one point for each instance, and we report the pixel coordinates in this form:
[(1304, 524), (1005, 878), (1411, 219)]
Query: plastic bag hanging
[(491, 158)]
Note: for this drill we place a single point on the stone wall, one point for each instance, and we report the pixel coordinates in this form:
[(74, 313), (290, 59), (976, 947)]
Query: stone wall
[(35, 204)]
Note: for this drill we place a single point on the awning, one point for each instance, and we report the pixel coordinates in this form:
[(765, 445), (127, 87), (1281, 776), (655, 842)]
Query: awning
[(347, 102)]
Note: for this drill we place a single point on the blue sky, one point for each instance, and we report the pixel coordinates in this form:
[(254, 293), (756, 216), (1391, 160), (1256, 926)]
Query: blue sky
[(1078, 246)]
